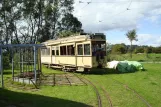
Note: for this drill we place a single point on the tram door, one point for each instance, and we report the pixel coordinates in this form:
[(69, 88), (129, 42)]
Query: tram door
[(99, 52)]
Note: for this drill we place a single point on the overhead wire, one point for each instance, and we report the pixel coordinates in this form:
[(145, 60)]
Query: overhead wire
[(76, 3), (122, 11), (113, 6), (127, 9), (86, 4), (129, 5)]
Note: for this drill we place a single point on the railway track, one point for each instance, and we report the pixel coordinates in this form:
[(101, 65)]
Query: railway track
[(106, 94), (67, 79), (99, 101), (94, 87), (135, 92), (97, 92)]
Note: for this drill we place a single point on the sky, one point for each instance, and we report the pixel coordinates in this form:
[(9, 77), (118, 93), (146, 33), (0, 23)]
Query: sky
[(115, 17)]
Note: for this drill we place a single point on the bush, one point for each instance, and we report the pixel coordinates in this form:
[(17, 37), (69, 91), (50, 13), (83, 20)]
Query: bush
[(139, 50), (118, 49), (6, 60), (16, 59)]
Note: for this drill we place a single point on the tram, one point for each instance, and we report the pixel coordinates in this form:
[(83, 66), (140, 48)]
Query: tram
[(76, 52)]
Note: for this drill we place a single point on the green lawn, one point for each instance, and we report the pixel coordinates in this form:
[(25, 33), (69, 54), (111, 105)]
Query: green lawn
[(146, 83), (47, 96), (136, 57)]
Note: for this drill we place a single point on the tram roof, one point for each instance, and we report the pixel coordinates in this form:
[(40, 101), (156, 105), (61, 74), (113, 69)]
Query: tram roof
[(73, 38)]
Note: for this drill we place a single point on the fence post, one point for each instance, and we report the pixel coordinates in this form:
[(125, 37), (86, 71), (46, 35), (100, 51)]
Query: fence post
[(35, 62), (1, 67), (12, 49)]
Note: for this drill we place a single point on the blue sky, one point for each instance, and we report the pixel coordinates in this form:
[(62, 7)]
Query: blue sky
[(116, 17), (146, 27)]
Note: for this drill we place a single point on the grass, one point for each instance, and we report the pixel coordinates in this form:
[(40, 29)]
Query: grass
[(136, 57), (146, 83), (46, 96)]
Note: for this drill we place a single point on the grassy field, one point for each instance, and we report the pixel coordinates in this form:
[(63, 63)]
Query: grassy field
[(146, 83), (136, 57)]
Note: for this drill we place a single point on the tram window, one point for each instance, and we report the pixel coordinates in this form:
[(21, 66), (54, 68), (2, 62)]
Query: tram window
[(57, 50), (63, 50), (48, 51), (42, 51), (53, 52), (45, 51), (80, 49), (86, 49), (70, 49), (98, 47)]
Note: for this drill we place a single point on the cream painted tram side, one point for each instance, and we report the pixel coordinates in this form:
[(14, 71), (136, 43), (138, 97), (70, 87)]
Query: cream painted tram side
[(83, 51)]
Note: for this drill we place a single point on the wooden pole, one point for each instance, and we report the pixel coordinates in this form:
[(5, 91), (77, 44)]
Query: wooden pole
[(22, 54), (40, 60), (1, 67), (12, 64), (20, 60), (35, 61)]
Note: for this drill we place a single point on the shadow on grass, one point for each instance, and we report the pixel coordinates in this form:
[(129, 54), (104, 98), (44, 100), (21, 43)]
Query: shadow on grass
[(7, 72), (102, 71), (16, 99), (141, 60), (106, 71)]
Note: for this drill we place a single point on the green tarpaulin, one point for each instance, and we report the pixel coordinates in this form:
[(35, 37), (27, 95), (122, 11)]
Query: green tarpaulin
[(129, 66)]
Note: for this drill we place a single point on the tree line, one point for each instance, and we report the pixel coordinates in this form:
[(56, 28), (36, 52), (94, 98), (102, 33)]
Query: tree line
[(123, 49), (33, 21)]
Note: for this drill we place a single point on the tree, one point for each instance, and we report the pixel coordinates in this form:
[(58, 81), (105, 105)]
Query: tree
[(56, 14), (150, 49), (32, 21), (139, 49), (7, 17), (66, 34), (131, 35), (146, 51), (10, 15), (119, 49), (70, 23)]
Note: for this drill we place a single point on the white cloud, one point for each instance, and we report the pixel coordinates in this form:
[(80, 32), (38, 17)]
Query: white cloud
[(143, 39), (126, 41), (103, 15), (148, 39)]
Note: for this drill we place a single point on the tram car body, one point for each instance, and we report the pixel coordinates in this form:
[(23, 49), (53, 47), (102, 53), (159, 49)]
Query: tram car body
[(77, 52)]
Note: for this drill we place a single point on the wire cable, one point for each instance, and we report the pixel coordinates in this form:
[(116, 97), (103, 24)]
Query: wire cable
[(87, 4), (83, 6), (129, 5)]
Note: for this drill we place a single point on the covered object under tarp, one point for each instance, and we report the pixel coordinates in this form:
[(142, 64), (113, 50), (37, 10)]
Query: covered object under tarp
[(125, 66), (112, 64)]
